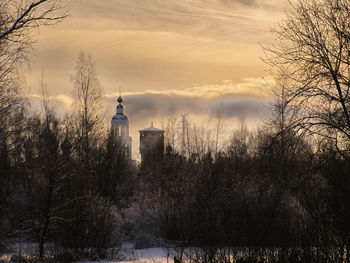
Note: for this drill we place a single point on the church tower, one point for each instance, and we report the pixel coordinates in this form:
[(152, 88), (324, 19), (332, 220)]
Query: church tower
[(120, 129)]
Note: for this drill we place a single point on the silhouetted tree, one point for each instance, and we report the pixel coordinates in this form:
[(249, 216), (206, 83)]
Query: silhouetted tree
[(17, 21), (311, 53), (87, 98)]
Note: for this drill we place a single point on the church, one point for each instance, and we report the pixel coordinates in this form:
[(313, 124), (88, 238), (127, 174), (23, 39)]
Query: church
[(120, 130), (151, 139)]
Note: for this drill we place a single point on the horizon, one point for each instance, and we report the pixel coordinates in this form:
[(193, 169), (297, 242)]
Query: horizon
[(216, 61)]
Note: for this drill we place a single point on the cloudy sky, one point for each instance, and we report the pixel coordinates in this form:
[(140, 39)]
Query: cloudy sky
[(186, 55)]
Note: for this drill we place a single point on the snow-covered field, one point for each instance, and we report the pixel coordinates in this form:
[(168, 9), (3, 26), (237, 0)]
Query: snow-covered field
[(149, 255), (127, 254), (154, 255)]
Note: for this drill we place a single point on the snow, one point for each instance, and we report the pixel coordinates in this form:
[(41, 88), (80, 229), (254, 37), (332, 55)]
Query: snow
[(155, 255), (131, 255), (5, 257), (127, 254)]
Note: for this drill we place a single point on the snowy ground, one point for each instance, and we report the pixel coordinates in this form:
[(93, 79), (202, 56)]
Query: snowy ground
[(149, 255), (128, 254)]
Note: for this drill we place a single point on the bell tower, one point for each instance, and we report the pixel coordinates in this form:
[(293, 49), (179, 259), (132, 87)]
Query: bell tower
[(120, 128)]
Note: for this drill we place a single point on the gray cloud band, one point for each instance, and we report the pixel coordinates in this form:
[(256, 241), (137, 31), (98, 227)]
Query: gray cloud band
[(146, 106)]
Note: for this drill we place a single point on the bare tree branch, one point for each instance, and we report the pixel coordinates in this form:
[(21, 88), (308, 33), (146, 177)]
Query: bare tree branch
[(312, 53)]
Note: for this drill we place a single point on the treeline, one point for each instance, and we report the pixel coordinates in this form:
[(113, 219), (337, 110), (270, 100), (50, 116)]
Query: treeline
[(52, 197), (266, 196), (62, 181), (265, 191)]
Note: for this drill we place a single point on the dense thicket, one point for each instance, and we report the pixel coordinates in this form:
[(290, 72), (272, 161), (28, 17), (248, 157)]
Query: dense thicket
[(44, 199), (259, 193)]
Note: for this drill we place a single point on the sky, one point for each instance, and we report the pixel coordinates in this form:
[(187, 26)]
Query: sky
[(168, 56)]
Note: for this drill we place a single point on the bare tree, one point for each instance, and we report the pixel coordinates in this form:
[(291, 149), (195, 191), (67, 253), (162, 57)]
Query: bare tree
[(170, 128), (312, 52), (219, 125), (18, 18), (51, 167), (311, 58), (87, 98)]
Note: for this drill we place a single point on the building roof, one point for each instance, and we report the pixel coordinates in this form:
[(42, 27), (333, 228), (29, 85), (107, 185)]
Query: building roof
[(151, 128), (119, 116)]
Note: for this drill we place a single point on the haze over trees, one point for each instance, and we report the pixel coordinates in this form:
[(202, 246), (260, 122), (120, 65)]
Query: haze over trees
[(280, 194)]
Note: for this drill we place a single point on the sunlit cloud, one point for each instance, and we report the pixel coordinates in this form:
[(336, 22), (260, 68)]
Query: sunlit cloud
[(256, 87), (248, 98)]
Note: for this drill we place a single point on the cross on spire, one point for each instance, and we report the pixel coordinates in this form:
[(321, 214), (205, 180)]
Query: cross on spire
[(120, 100)]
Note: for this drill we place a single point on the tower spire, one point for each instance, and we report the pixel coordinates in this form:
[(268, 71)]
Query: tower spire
[(120, 100)]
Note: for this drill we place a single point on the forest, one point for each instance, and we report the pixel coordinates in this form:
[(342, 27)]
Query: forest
[(277, 194)]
